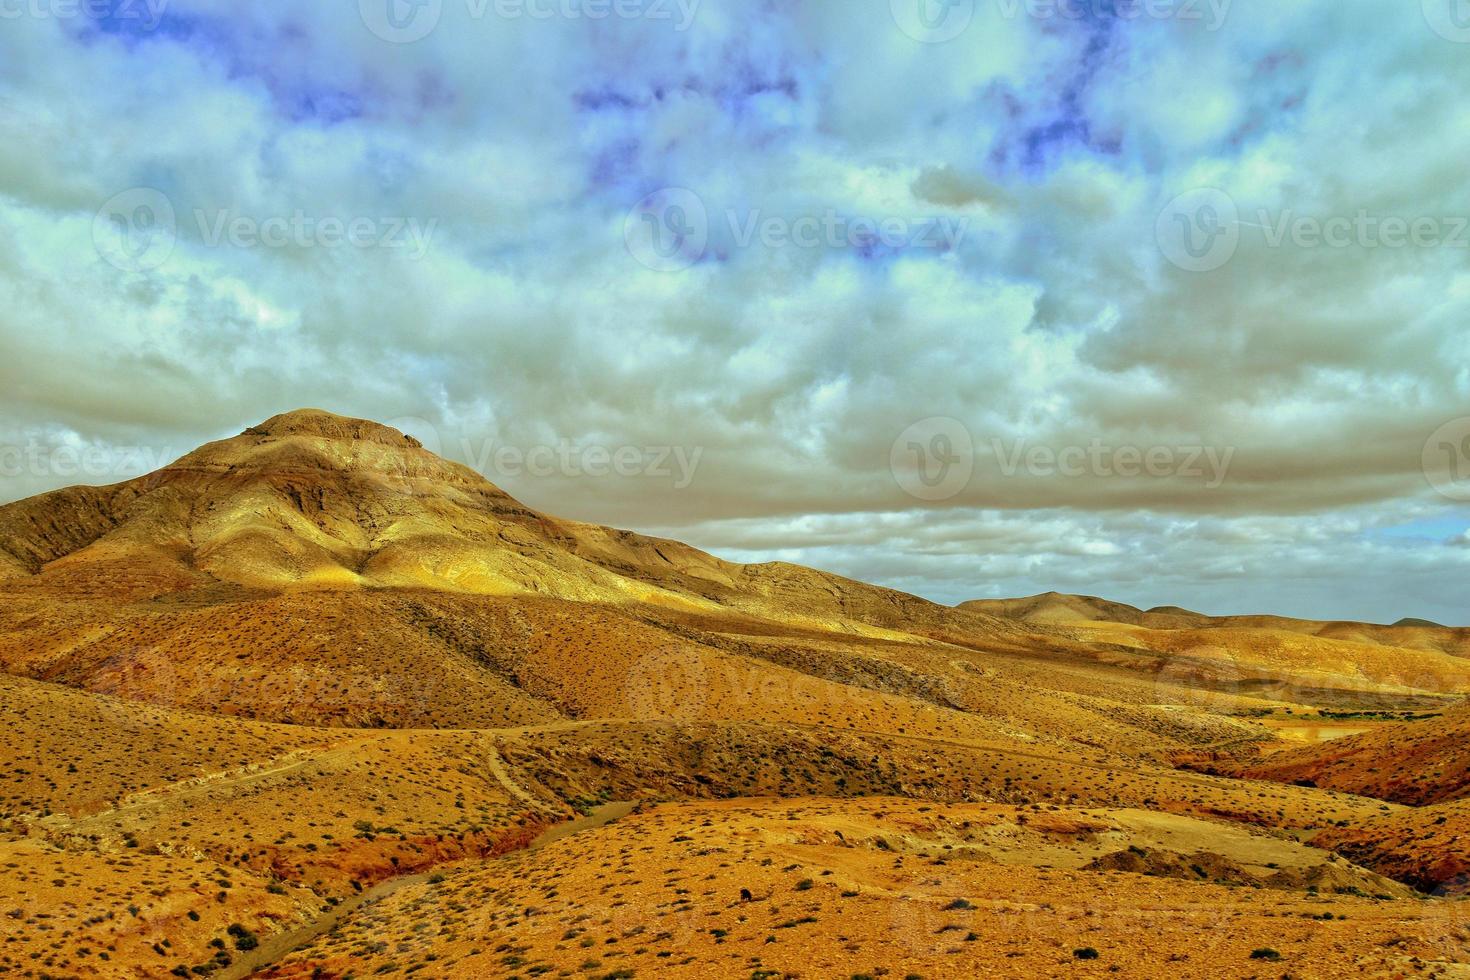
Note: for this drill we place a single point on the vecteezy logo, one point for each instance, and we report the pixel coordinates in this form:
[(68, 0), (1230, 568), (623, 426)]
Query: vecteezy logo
[(664, 684), (134, 678), (1450, 19), (1206, 677), (934, 459), (668, 230), (136, 231), (421, 429), (1199, 230), (399, 471), (401, 21), (933, 21), (1447, 460)]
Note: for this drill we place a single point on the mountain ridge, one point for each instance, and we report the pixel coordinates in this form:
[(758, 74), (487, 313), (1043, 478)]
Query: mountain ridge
[(311, 498), (1071, 607)]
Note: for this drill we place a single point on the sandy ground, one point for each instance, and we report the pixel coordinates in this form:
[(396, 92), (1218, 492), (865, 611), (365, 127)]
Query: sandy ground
[(885, 888)]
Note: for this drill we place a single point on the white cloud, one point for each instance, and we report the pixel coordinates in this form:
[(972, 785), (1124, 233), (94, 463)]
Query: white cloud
[(1056, 322)]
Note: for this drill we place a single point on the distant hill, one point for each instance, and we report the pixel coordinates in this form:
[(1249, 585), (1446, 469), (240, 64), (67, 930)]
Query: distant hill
[(1410, 621), (1247, 634), (1058, 607)]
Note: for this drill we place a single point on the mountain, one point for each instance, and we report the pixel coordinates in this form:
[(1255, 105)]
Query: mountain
[(308, 685), (1059, 607), (310, 545), (313, 500)]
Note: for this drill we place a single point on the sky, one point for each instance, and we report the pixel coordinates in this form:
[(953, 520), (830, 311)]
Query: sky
[(1161, 300)]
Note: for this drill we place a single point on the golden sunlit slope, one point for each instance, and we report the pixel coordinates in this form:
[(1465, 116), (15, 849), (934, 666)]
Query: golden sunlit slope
[(1408, 634), (431, 659), (353, 657), (76, 753), (304, 499), (427, 658), (1300, 660)]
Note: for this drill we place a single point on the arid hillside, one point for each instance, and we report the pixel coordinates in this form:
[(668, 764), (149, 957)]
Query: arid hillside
[(884, 887), (313, 702), (1418, 762), (1058, 607), (313, 500), (1427, 847)]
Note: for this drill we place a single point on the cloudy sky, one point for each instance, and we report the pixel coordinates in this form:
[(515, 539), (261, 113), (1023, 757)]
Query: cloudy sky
[(1164, 300)]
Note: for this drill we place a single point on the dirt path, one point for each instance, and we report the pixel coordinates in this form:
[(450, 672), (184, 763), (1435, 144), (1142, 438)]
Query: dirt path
[(502, 776), (279, 947)]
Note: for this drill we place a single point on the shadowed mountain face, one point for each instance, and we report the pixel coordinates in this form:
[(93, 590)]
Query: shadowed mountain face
[(382, 664)]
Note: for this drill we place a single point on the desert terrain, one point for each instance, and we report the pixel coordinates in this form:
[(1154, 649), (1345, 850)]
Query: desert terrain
[(314, 702)]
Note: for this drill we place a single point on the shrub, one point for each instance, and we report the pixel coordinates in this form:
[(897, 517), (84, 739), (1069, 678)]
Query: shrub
[(244, 938)]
